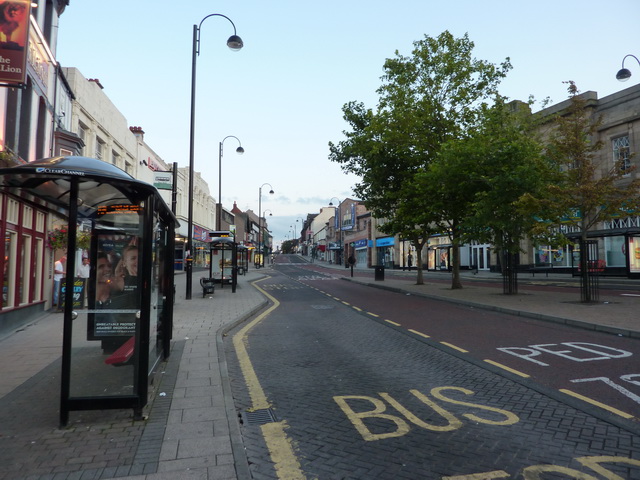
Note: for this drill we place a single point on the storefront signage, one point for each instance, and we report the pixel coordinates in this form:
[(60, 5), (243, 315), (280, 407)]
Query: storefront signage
[(385, 242), (360, 243), (14, 35)]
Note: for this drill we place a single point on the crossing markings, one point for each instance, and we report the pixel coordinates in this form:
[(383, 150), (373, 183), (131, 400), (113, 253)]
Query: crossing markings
[(393, 323), (424, 335), (508, 369), (450, 345), (597, 404)]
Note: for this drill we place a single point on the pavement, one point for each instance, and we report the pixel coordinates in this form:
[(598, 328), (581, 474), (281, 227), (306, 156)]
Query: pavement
[(191, 426)]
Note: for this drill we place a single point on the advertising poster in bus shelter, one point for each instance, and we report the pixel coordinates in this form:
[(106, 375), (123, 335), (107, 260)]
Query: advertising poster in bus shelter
[(115, 299)]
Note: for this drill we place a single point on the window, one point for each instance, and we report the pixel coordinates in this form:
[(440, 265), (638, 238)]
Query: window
[(621, 154), (99, 149), (114, 158), (82, 133)]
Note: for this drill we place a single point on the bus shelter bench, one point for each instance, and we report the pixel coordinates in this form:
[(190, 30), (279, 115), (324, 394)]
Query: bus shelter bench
[(208, 286), (123, 354), (541, 268)]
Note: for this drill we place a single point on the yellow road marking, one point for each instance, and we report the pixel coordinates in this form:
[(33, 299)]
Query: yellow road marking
[(346, 303), (597, 404), (393, 323), (419, 333), (358, 309), (508, 369), (373, 314), (450, 345), (280, 446)]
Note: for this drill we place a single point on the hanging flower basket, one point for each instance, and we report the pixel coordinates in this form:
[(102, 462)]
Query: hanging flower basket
[(58, 239)]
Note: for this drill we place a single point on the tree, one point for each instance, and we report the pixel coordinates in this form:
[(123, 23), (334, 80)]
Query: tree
[(425, 100), (584, 193)]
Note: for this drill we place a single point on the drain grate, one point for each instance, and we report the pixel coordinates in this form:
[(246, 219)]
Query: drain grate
[(260, 417)]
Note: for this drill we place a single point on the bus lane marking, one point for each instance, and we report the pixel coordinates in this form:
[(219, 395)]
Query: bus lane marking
[(399, 425), (424, 335), (508, 369), (451, 345), (597, 404)]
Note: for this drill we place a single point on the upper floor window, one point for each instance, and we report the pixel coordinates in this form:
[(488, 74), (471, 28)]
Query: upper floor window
[(621, 154), (99, 149)]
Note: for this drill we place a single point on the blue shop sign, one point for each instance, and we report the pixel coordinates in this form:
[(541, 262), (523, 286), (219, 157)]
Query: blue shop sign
[(385, 242), (360, 243)]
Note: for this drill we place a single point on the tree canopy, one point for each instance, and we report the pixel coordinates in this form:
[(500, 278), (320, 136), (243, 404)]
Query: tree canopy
[(426, 99)]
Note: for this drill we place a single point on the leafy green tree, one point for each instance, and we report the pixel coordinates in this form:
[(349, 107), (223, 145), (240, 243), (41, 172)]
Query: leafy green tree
[(425, 100), (584, 192)]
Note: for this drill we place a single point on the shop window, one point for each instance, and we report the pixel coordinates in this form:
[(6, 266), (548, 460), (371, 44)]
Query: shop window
[(8, 285), (38, 270), (621, 154), (614, 248), (13, 211), (40, 221), (27, 217), (25, 268)]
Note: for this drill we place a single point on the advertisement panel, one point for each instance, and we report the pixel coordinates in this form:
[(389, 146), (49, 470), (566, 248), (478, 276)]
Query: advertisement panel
[(14, 35)]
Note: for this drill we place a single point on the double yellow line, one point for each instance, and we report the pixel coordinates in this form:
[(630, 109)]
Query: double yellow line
[(280, 446)]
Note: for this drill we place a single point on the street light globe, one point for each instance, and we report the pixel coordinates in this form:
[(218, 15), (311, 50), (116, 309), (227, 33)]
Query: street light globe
[(235, 43), (623, 74), (239, 150)]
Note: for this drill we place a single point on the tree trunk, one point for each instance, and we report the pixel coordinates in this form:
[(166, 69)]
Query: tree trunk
[(455, 271), (420, 276)]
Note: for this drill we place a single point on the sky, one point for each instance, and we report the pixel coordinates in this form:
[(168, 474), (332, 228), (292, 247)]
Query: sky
[(282, 95)]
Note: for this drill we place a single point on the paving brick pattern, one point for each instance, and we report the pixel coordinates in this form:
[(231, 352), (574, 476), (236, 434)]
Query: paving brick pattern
[(305, 356)]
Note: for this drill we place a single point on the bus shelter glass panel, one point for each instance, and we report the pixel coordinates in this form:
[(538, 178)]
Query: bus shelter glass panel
[(159, 291), (106, 328)]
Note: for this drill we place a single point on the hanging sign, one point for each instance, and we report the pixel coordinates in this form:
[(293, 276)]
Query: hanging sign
[(14, 39)]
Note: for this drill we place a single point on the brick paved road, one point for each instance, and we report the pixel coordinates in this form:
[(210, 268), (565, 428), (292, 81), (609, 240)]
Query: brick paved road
[(323, 366)]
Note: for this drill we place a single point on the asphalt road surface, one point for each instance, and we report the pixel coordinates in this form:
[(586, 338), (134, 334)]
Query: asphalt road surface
[(328, 387)]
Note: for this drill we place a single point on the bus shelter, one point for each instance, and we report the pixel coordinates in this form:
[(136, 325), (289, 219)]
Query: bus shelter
[(114, 340), (243, 259), (223, 264)]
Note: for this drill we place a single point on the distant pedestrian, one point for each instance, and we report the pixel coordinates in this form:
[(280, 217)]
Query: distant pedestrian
[(409, 260), (59, 270)]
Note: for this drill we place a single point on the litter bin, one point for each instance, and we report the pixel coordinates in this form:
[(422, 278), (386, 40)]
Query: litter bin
[(379, 272)]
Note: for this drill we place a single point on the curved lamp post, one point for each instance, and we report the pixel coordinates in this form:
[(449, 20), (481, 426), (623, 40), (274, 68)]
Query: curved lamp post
[(260, 221), (239, 151), (624, 74), (234, 43), (338, 224)]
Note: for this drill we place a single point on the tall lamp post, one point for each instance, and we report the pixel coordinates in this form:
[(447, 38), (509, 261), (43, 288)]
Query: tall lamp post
[(260, 239), (234, 43), (624, 74), (239, 151), (338, 224)]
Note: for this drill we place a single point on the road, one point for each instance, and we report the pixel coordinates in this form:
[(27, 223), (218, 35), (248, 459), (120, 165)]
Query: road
[(337, 380)]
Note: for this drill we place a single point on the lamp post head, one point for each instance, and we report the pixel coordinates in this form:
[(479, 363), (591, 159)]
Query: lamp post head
[(239, 150), (235, 43), (271, 192), (623, 74)]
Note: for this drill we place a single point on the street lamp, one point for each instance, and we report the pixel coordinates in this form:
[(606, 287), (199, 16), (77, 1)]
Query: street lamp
[(260, 221), (624, 74), (234, 43), (338, 224), (239, 151)]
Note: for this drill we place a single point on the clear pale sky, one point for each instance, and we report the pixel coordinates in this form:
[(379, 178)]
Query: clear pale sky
[(282, 94)]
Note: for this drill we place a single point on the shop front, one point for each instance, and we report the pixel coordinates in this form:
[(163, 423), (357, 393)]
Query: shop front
[(385, 251)]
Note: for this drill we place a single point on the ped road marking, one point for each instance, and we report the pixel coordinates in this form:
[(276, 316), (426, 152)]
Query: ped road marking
[(279, 445)]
